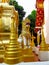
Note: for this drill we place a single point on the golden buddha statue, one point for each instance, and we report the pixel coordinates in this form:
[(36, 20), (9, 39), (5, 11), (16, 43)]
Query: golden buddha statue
[(25, 41), (26, 32), (13, 53), (8, 31)]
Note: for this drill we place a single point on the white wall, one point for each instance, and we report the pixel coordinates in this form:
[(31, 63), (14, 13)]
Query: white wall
[(46, 26)]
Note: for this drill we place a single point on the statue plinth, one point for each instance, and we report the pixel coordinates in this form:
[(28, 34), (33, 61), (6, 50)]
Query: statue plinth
[(43, 48), (26, 36), (28, 55)]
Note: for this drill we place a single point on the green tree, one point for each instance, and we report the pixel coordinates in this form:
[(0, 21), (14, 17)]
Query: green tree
[(32, 18), (21, 12)]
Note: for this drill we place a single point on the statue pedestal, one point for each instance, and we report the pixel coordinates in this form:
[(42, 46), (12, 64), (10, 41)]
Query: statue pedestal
[(1, 54), (43, 55), (28, 55)]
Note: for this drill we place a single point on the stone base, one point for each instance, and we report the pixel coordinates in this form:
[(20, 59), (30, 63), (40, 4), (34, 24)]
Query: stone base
[(28, 55), (1, 60), (13, 61), (44, 55), (1, 53), (28, 58)]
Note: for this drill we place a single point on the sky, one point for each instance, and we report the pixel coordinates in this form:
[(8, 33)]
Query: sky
[(28, 5)]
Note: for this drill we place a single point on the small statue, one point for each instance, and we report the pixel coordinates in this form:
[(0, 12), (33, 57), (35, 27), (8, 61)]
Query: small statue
[(38, 38), (32, 41), (25, 36)]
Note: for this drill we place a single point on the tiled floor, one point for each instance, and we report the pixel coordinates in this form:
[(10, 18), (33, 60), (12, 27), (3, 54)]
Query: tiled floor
[(31, 63)]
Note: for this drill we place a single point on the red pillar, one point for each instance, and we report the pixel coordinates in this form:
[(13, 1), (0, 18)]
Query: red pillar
[(39, 14)]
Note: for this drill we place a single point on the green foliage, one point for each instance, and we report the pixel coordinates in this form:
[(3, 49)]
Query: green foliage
[(33, 14), (32, 18), (20, 10)]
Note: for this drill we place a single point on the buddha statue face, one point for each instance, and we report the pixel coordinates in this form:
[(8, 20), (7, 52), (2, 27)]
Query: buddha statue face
[(27, 26)]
